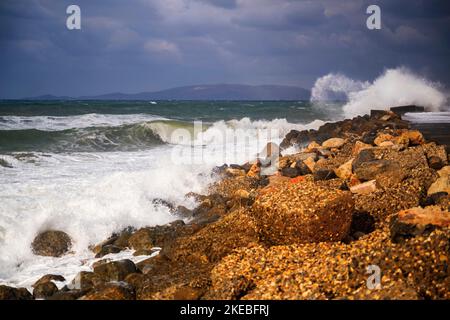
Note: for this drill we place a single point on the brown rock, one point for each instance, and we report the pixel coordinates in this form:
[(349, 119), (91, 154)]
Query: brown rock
[(310, 163), (110, 248), (115, 270), (333, 143), (324, 174), (86, 280), (313, 145), (387, 173), (415, 137), (435, 163), (11, 293), (345, 171), (254, 171), (235, 172), (303, 212), (51, 243), (187, 293), (111, 291), (44, 290), (359, 146), (383, 137), (48, 278), (442, 184), (418, 221), (150, 237)]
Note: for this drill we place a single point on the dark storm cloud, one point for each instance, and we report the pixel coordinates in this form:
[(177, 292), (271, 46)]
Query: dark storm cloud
[(140, 45)]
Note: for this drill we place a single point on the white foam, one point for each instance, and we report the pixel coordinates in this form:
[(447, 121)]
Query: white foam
[(395, 87), (53, 123)]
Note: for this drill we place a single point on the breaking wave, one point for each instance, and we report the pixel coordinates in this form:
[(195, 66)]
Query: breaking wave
[(395, 87)]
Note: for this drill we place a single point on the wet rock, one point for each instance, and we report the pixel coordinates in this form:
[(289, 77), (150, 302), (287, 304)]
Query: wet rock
[(86, 280), (418, 221), (44, 290), (364, 188), (107, 250), (344, 172), (67, 295), (111, 291), (333, 143), (188, 293), (324, 174), (313, 145), (49, 278), (11, 293), (365, 155), (433, 150), (51, 243), (149, 237), (115, 270), (303, 212), (387, 173)]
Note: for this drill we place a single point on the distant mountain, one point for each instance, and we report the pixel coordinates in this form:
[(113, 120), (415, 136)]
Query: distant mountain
[(204, 92)]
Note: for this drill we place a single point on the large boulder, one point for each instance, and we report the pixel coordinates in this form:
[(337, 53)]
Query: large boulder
[(51, 243), (48, 278), (44, 290), (11, 293), (115, 270), (303, 212)]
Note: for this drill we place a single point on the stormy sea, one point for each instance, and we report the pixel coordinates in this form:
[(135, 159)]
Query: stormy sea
[(91, 168)]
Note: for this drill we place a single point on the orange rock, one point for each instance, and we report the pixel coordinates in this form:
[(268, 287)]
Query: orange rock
[(297, 179), (382, 137), (415, 137), (359, 146), (254, 171)]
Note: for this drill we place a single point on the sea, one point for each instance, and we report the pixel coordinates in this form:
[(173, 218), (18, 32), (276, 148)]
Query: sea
[(92, 168)]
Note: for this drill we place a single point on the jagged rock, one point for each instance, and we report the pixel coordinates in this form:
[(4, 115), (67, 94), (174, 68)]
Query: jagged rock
[(51, 243), (44, 290), (387, 173), (111, 291), (364, 188), (49, 278), (303, 212), (11, 293), (115, 270), (345, 171), (313, 145), (418, 221), (333, 143)]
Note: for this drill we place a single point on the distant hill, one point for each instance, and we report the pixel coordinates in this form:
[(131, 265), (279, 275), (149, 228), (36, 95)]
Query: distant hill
[(203, 92)]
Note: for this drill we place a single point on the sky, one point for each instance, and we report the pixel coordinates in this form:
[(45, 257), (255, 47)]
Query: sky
[(147, 45)]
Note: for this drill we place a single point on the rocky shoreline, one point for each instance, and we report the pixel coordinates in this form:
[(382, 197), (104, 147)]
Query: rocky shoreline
[(362, 192)]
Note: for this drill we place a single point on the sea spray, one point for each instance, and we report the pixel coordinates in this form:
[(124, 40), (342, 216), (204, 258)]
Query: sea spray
[(393, 88)]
